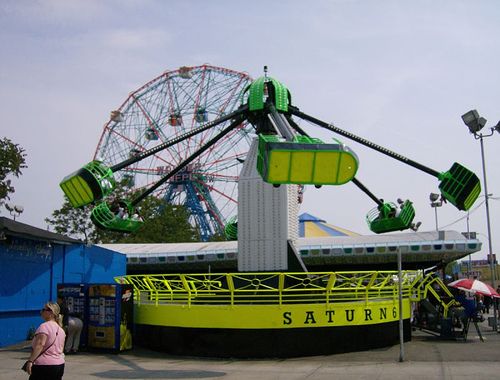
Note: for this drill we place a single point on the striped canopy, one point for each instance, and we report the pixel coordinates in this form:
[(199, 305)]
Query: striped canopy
[(474, 286), (311, 226)]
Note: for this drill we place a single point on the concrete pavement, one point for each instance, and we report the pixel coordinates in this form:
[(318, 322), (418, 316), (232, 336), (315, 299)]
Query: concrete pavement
[(426, 357)]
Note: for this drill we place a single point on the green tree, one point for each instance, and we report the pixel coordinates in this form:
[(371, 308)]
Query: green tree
[(12, 161), (74, 222), (218, 237)]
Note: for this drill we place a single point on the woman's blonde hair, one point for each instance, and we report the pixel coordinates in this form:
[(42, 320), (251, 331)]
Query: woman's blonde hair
[(56, 310)]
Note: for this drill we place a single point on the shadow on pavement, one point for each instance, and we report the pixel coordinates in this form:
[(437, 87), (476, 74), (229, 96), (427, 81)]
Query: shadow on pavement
[(137, 372), (156, 374)]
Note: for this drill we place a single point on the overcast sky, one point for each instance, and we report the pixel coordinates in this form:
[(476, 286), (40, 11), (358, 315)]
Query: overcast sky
[(400, 73)]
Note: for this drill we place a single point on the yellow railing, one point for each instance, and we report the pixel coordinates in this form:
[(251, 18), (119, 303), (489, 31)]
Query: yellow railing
[(433, 285), (271, 288)]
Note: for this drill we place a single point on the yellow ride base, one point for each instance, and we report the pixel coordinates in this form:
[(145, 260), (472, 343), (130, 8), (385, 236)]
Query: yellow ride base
[(270, 314)]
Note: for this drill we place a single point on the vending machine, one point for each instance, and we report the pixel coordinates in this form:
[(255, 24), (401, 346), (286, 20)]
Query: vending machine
[(75, 297), (110, 316)]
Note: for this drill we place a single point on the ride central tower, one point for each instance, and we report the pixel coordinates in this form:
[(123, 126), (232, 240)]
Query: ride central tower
[(267, 221)]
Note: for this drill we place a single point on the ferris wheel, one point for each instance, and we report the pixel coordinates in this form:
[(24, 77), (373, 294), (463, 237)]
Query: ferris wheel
[(165, 109)]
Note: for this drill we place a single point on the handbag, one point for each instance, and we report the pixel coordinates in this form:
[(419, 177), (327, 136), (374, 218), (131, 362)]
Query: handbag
[(25, 365)]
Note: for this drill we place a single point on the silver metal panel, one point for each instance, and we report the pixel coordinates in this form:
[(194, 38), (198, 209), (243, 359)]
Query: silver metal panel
[(263, 220)]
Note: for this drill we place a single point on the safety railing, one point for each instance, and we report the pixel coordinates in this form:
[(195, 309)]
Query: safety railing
[(431, 284), (271, 288)]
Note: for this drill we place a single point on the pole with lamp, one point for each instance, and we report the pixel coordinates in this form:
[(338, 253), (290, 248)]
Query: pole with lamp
[(400, 306), (15, 210), (436, 201), (475, 123), (468, 237)]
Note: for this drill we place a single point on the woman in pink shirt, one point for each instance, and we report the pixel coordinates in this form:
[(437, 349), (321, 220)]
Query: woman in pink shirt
[(47, 358)]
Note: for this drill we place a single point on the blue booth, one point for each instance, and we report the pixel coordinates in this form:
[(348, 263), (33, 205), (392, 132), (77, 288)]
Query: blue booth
[(33, 262)]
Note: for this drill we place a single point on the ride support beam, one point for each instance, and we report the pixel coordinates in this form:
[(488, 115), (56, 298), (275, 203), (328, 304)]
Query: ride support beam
[(279, 122), (295, 111), (191, 158), (365, 190), (178, 139), (295, 126)]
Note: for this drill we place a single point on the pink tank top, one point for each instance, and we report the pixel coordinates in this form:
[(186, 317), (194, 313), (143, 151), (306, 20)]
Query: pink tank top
[(54, 355)]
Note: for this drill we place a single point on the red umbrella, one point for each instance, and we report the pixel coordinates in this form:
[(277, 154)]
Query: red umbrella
[(474, 286)]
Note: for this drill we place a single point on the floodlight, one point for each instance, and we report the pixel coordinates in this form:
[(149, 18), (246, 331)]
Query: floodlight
[(15, 210), (497, 127), (433, 197), (473, 121)]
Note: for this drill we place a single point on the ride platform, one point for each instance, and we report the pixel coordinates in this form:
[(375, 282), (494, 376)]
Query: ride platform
[(265, 314)]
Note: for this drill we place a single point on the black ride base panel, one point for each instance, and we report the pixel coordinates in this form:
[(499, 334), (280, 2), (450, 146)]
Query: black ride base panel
[(269, 343)]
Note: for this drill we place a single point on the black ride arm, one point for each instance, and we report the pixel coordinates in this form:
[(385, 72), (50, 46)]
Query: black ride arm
[(295, 111), (220, 135), (178, 139), (295, 126), (362, 187), (365, 190)]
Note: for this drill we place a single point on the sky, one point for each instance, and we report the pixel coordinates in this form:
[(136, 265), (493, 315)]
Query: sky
[(399, 73)]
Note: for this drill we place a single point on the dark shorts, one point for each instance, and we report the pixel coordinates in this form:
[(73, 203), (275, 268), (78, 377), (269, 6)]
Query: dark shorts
[(47, 372)]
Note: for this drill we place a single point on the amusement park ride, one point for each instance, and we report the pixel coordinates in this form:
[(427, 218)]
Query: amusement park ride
[(286, 155), (184, 135)]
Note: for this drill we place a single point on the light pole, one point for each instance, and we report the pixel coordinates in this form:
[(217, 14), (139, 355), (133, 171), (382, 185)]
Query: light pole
[(468, 237), (15, 210), (436, 201), (475, 123), (400, 305)]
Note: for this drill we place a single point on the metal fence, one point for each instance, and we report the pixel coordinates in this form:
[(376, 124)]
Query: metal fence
[(272, 288)]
